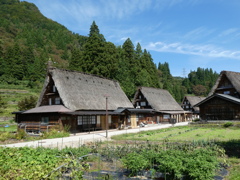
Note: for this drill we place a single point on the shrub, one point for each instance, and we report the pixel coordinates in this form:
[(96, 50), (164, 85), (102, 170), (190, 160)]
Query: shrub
[(53, 133), (27, 103), (196, 120), (21, 134), (5, 136), (135, 162), (227, 124)]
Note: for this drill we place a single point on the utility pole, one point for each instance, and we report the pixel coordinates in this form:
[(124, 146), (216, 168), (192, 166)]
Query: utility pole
[(184, 72), (106, 115)]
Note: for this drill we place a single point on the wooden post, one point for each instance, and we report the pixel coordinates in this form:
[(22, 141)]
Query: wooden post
[(106, 116)]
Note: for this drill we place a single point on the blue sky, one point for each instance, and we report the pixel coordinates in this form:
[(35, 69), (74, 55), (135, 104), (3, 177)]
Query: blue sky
[(185, 33)]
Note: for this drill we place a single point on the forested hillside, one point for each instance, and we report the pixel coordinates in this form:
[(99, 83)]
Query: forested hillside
[(28, 40)]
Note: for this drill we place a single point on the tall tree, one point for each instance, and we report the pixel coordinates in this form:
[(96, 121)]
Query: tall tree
[(75, 60), (95, 30), (98, 56)]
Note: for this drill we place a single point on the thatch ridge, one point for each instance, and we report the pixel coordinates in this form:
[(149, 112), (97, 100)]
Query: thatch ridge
[(160, 99), (69, 70)]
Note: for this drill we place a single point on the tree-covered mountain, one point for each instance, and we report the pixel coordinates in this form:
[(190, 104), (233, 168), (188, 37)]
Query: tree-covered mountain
[(197, 83), (28, 40)]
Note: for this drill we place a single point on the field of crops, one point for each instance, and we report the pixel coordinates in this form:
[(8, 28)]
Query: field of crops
[(189, 153)]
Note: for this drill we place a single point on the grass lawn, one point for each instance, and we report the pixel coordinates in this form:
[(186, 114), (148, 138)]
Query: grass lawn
[(8, 128), (185, 133)]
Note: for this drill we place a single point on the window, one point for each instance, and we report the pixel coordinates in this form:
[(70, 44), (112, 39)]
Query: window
[(143, 103), (63, 118), (54, 88), (57, 100), (50, 101), (86, 120), (166, 116), (79, 120), (137, 103), (45, 120), (226, 92)]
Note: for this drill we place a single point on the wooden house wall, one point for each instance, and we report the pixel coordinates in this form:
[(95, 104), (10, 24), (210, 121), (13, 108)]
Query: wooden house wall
[(219, 109), (51, 93), (145, 118), (141, 102), (68, 121), (32, 122), (186, 105)]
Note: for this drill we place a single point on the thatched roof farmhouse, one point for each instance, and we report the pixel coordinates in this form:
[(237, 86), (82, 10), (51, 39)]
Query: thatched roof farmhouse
[(161, 101), (223, 101), (157, 99), (79, 100), (189, 102)]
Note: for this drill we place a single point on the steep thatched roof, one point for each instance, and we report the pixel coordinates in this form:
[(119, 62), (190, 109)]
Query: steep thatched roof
[(234, 78), (159, 99), (194, 100), (81, 91)]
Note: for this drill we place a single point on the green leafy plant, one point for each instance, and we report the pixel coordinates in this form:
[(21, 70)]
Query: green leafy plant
[(227, 124), (135, 162), (5, 136), (54, 133), (27, 103), (21, 134)]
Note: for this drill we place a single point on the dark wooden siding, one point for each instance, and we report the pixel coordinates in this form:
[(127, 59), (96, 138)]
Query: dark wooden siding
[(219, 109)]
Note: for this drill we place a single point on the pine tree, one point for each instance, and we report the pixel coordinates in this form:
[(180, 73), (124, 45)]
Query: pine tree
[(95, 30), (75, 60), (98, 56)]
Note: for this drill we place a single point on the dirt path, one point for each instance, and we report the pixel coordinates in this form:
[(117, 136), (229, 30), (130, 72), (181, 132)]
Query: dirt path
[(83, 138)]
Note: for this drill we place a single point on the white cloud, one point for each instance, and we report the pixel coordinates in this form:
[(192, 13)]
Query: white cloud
[(198, 33), (200, 50), (123, 39), (231, 31)]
